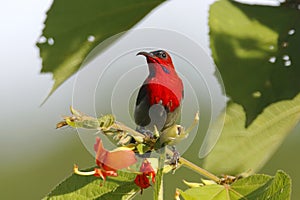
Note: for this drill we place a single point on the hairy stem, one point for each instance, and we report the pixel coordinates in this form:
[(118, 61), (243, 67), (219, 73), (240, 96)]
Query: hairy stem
[(123, 127)]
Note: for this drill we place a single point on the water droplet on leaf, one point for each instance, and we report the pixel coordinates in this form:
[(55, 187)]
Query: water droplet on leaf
[(285, 44), (42, 40), (287, 63), (50, 41), (285, 57), (256, 94), (291, 32), (91, 38), (272, 59)]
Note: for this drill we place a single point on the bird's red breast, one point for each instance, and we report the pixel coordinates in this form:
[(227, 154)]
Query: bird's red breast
[(166, 90)]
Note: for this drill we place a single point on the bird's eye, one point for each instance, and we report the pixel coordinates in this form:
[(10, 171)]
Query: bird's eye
[(163, 54)]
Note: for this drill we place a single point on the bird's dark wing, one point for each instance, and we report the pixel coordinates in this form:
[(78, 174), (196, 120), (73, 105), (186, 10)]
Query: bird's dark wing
[(172, 117), (141, 112)]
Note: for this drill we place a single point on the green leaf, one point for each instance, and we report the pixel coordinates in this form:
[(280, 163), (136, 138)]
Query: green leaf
[(71, 24), (256, 51), (240, 149), (90, 187), (256, 187)]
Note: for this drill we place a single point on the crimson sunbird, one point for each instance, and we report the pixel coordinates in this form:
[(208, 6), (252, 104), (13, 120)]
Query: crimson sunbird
[(160, 97)]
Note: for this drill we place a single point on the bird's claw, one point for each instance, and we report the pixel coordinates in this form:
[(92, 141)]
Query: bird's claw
[(174, 160), (145, 132)]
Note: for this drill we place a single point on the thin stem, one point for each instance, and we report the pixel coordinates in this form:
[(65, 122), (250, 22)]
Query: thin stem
[(195, 122), (120, 126), (76, 171), (198, 169)]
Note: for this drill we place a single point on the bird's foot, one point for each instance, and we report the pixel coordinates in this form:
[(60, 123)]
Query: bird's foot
[(145, 132), (175, 158)]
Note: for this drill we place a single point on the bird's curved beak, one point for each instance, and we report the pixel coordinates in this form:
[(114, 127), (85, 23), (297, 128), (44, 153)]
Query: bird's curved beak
[(146, 54)]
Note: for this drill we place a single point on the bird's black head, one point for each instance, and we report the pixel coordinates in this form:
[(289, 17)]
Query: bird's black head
[(159, 56)]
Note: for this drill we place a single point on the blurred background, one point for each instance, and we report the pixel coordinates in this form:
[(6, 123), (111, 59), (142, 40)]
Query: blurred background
[(35, 156)]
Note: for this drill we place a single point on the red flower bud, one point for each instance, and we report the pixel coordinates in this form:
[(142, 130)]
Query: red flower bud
[(142, 180)]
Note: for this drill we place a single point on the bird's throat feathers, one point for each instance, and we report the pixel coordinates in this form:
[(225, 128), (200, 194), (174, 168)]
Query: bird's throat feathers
[(163, 70)]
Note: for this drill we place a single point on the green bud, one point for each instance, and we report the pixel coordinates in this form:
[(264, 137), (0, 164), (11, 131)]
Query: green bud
[(173, 135)]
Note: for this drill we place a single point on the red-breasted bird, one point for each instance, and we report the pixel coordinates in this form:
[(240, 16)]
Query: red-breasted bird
[(160, 97)]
